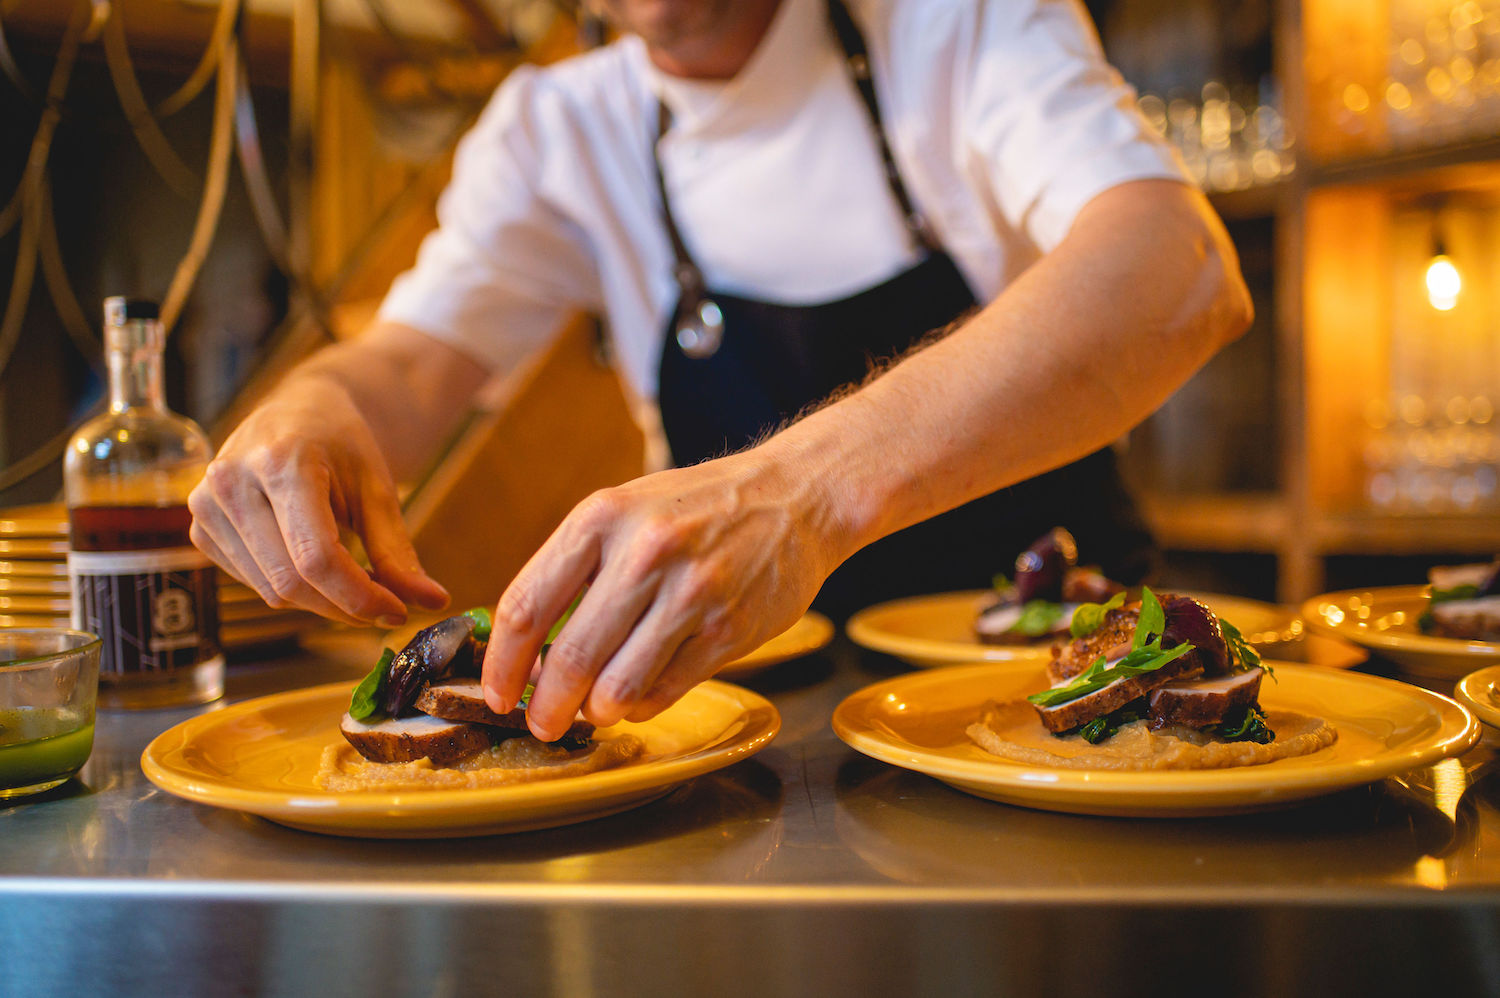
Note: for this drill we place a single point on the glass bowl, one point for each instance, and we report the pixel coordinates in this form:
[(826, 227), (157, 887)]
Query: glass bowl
[(49, 680)]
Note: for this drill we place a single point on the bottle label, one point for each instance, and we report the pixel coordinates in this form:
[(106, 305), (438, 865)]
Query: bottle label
[(155, 611)]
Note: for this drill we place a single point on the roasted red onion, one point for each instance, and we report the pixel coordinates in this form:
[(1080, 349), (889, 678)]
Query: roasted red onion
[(1040, 568), (1190, 622)]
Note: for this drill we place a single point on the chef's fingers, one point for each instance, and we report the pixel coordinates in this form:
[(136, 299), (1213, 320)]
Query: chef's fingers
[(199, 535), (603, 620), (255, 544), (634, 669), (532, 603), (389, 546), (695, 660)]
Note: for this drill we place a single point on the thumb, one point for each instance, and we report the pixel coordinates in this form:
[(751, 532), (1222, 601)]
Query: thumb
[(392, 556)]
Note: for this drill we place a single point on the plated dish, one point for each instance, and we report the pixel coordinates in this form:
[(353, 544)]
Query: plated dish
[(918, 721), (1480, 692), (1386, 621), (938, 630), (812, 632), (262, 757)]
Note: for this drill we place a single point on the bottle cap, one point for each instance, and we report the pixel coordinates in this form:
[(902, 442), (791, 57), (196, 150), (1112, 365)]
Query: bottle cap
[(118, 310)]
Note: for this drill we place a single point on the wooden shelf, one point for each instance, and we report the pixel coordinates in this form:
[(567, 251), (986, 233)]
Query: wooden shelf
[(1260, 201), (1395, 166), (1254, 522), (1367, 533)]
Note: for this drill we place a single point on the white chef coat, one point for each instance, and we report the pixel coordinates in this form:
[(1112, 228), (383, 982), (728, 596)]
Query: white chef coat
[(1002, 115)]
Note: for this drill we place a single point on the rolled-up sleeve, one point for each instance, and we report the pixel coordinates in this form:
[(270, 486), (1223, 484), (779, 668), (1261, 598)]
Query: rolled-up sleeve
[(505, 266), (1054, 124)]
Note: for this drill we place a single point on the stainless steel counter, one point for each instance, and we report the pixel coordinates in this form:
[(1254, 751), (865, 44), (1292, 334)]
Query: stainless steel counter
[(808, 869)]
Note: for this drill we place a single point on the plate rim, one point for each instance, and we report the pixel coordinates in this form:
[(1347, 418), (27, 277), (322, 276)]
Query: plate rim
[(1421, 643), (859, 629), (821, 637), (1005, 776), (417, 804), (1464, 693)]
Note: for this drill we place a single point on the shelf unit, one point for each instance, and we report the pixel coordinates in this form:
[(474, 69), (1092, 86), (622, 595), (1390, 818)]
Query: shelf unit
[(1333, 219)]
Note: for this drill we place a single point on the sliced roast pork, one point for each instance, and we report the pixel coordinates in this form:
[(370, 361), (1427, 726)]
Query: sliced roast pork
[(1117, 694), (406, 739), (1112, 640), (1470, 619), (1197, 703), (463, 700), (997, 624)]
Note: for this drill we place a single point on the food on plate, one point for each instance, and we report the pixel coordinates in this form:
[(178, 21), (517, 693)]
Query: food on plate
[(419, 721), (1049, 585), (1465, 602), (1155, 684)]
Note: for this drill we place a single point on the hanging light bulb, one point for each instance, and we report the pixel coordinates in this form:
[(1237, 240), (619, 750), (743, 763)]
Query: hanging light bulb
[(1443, 283), (1443, 279)]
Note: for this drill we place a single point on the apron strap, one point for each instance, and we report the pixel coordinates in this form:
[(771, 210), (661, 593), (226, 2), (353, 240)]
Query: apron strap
[(857, 61)]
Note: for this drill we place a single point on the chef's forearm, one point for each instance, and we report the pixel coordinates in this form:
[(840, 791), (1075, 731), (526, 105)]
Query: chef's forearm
[(410, 389), (1088, 342)]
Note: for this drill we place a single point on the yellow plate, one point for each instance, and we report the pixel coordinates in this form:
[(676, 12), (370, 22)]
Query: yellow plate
[(35, 604), (1480, 692), (30, 547), (38, 520), (1384, 620), (36, 619), (917, 721), (936, 630), (57, 569), (262, 755), (25, 586), (809, 634)]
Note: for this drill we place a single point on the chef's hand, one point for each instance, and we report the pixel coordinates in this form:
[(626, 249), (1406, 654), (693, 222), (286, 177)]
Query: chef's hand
[(687, 569), (271, 506)]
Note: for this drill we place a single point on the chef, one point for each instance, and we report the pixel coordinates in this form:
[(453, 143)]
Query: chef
[(883, 277)]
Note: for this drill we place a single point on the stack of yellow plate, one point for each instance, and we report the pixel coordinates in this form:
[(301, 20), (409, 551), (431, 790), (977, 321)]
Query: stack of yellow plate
[(34, 585)]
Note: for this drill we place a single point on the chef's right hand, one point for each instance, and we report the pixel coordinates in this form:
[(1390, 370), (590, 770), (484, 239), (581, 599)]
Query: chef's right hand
[(271, 506)]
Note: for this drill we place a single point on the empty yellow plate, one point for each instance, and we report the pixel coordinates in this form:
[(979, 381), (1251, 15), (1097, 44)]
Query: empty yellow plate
[(929, 631), (1384, 620), (917, 721), (1480, 692), (810, 633), (262, 756)]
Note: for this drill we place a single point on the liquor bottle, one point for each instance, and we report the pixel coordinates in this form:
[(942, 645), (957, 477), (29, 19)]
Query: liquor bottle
[(136, 579)]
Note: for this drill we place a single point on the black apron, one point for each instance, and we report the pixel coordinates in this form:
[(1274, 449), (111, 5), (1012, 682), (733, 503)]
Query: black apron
[(732, 369)]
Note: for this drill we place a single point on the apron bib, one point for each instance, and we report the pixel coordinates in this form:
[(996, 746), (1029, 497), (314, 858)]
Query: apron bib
[(732, 369)]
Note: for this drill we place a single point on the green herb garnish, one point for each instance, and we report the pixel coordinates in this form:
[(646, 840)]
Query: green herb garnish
[(1242, 654), (1038, 617), (1108, 725), (1152, 622), (482, 622), (557, 627), (1097, 676), (1248, 727), (1089, 617), (1466, 591), (1000, 583), (367, 694)]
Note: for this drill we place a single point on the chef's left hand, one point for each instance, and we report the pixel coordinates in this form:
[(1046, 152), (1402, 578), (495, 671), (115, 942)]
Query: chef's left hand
[(687, 569)]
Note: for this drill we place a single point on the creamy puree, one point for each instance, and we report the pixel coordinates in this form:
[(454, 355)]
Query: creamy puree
[(515, 760), (1013, 731)]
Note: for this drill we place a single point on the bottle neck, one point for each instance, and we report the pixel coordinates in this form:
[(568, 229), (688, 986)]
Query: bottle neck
[(135, 366)]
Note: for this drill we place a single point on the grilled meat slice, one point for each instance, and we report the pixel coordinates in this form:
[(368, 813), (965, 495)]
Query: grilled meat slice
[(407, 739), (463, 700), (1197, 703), (996, 624), (1467, 619), (1112, 640), (1088, 585), (1114, 696)]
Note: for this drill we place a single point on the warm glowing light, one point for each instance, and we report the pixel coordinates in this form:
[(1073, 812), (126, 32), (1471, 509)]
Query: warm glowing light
[(1443, 283), (1356, 98), (1398, 97)]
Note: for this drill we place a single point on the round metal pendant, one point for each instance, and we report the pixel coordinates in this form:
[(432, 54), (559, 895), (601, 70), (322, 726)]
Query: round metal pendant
[(701, 330)]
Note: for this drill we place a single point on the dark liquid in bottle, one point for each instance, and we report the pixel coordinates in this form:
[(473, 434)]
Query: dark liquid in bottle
[(129, 528), (138, 584)]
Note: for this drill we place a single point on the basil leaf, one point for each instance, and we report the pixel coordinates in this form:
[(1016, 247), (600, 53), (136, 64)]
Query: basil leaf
[(1000, 583), (1153, 620), (557, 627), (1098, 676), (1089, 617), (368, 693), (1243, 654), (1466, 591), (482, 622), (1038, 617), (526, 697), (1249, 727)]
